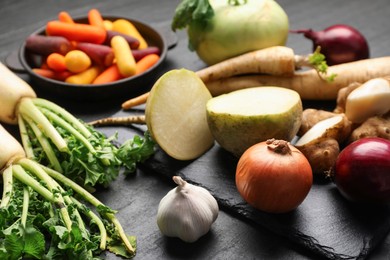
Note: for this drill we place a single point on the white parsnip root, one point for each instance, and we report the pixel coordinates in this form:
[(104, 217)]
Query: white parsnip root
[(307, 83)]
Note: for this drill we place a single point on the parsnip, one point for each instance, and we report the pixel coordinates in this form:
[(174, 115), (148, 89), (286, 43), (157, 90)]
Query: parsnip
[(308, 83), (12, 90)]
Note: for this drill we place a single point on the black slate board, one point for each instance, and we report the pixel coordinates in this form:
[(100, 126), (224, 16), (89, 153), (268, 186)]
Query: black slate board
[(325, 224)]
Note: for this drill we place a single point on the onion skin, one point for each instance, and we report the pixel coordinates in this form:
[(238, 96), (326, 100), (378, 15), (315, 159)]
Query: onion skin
[(339, 43), (272, 181), (362, 171)]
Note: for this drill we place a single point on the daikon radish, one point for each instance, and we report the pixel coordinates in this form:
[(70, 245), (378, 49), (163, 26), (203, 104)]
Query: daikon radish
[(12, 90)]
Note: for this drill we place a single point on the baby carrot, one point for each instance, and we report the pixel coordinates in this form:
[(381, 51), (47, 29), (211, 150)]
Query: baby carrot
[(107, 24), (126, 27), (51, 74), (65, 17), (76, 32), (56, 62), (146, 62), (77, 61), (110, 74), (85, 77), (95, 18), (124, 57)]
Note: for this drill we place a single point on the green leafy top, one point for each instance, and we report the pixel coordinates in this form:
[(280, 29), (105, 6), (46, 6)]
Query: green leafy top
[(318, 61), (191, 10)]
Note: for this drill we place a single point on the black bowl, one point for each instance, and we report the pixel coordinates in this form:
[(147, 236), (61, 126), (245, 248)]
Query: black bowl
[(121, 89)]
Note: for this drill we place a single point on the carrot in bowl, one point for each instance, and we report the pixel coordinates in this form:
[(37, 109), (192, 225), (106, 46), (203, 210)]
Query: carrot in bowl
[(76, 32)]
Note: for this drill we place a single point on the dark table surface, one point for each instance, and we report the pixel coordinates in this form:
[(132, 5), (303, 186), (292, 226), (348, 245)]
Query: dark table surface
[(137, 197)]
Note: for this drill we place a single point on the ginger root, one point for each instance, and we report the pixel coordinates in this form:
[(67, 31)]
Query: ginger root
[(311, 116)]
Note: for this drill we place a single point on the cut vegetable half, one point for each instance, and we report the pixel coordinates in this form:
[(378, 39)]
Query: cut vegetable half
[(370, 99), (176, 114)]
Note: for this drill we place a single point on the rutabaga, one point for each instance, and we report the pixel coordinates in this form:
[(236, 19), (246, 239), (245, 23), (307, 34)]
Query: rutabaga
[(187, 211)]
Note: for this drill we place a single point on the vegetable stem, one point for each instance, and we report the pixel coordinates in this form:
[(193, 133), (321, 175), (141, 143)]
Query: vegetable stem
[(27, 109), (64, 114), (44, 142), (7, 187), (26, 201)]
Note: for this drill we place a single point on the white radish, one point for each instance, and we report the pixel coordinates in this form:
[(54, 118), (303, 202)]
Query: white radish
[(12, 90), (10, 149)]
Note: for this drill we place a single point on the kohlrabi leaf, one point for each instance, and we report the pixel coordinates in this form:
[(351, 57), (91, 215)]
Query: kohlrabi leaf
[(191, 10)]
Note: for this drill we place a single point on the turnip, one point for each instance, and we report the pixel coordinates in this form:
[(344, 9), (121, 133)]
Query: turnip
[(54, 137), (221, 29)]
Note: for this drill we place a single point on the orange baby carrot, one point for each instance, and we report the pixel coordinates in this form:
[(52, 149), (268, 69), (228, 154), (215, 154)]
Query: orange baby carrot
[(110, 74), (65, 17), (56, 62), (51, 74), (76, 32), (146, 62), (95, 18)]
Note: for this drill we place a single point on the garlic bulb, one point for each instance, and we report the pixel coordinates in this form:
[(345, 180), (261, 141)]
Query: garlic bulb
[(187, 211)]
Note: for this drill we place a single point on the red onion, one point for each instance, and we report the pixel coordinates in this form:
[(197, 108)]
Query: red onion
[(339, 43), (362, 171)]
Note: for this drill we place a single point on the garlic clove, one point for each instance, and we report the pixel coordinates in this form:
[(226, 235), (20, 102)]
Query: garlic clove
[(187, 211)]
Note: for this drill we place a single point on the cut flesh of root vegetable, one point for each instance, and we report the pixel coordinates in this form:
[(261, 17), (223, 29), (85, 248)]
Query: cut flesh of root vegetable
[(326, 128), (176, 115), (370, 99)]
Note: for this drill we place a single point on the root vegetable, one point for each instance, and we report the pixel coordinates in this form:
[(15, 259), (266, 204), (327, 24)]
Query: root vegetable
[(101, 54), (138, 100), (45, 45), (128, 120), (176, 114), (370, 99), (25, 183), (85, 77), (140, 53), (54, 137), (76, 31), (245, 117), (123, 55), (311, 116), (12, 89), (307, 83), (77, 61), (321, 144), (126, 27), (372, 127), (132, 41), (277, 60), (342, 96)]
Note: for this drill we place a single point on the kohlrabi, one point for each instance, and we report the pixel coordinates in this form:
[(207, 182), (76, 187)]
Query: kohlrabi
[(221, 29)]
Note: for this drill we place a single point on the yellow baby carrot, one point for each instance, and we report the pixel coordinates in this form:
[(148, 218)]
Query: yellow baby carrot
[(123, 56), (126, 27)]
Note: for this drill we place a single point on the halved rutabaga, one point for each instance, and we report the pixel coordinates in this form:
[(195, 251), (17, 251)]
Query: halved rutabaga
[(370, 99), (176, 114), (10, 149), (320, 144), (12, 89), (245, 117)]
